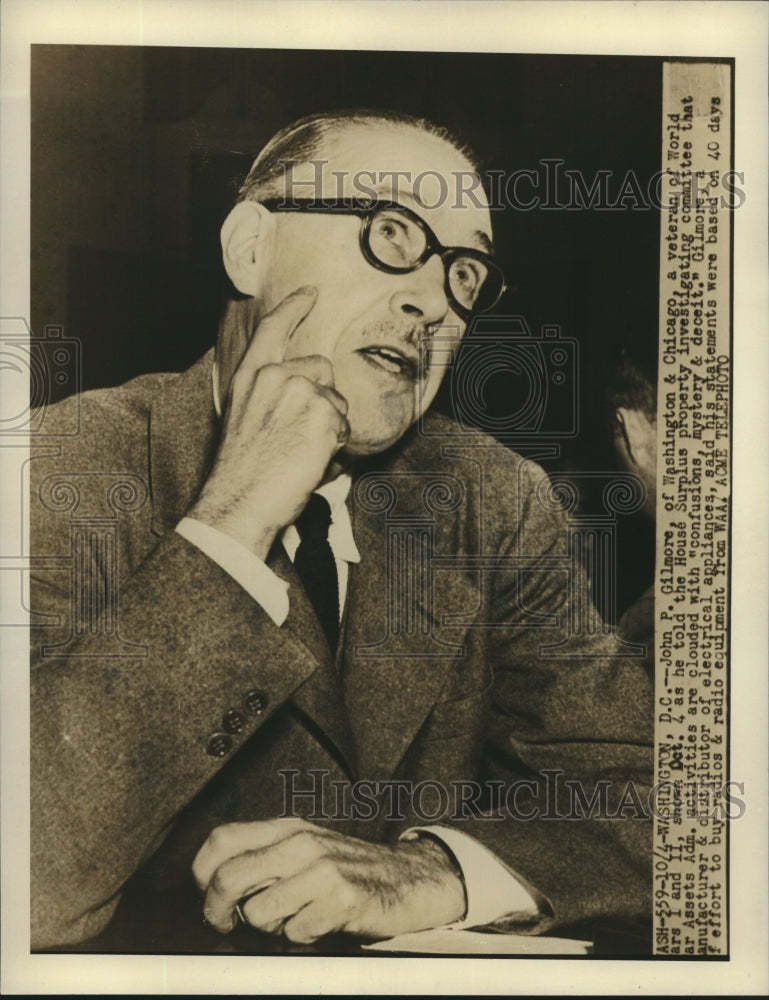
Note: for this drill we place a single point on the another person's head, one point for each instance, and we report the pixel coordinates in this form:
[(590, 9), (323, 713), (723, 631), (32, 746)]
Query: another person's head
[(631, 405), (375, 309)]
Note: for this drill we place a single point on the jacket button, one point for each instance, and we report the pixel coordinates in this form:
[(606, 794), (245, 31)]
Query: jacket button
[(233, 721), (256, 702), (219, 745)]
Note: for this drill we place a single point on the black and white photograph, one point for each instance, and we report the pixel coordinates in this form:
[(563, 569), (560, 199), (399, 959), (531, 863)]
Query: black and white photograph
[(375, 531)]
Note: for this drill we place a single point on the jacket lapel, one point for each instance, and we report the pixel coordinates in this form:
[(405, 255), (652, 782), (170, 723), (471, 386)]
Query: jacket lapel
[(320, 696), (398, 658)]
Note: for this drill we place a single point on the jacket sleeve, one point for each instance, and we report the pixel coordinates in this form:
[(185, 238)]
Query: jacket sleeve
[(132, 713)]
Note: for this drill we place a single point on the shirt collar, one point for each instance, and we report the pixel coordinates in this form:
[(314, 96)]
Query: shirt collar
[(340, 536), (215, 381)]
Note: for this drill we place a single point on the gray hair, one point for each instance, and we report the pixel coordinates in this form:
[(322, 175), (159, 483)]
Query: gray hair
[(303, 140)]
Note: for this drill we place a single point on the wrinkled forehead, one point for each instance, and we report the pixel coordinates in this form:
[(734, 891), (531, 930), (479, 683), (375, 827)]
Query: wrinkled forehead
[(421, 171)]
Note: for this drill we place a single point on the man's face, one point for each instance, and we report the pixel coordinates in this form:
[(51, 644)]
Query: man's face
[(371, 325)]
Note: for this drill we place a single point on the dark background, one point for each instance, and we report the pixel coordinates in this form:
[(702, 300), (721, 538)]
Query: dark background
[(137, 154)]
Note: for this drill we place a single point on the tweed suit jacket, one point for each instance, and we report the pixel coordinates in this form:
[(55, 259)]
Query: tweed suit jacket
[(165, 702)]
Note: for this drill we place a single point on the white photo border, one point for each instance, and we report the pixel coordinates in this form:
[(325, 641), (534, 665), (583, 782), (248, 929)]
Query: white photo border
[(694, 28)]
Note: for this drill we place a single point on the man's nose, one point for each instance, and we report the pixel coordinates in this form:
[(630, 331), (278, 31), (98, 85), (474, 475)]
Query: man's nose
[(421, 294)]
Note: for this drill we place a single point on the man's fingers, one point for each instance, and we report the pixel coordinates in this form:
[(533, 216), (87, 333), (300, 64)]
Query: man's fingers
[(242, 875), (336, 398), (317, 369), (315, 901), (269, 910), (303, 907), (233, 880), (314, 367), (301, 383), (228, 841), (314, 921), (269, 342)]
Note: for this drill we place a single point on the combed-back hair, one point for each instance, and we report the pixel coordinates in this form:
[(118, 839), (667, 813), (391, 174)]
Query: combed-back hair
[(303, 140)]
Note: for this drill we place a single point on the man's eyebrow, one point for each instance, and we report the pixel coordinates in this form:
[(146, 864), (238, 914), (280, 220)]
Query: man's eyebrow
[(479, 237), (485, 243)]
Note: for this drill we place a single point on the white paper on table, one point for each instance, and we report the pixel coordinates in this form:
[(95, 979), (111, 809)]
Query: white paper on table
[(443, 941)]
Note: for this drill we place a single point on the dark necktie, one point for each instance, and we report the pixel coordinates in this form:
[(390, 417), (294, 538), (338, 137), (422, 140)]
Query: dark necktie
[(316, 565)]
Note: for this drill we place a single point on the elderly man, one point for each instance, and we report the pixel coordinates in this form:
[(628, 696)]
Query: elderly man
[(222, 689)]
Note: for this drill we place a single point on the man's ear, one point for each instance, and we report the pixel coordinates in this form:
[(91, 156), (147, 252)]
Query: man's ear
[(636, 436), (243, 237), (621, 437)]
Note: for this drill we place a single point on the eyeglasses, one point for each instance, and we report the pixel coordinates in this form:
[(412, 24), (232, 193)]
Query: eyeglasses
[(396, 240)]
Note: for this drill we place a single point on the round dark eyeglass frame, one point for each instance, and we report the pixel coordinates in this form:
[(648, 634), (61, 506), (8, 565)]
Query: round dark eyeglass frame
[(366, 210)]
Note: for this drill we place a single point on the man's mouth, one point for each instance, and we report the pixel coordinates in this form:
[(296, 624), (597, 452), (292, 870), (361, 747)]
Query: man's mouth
[(395, 360)]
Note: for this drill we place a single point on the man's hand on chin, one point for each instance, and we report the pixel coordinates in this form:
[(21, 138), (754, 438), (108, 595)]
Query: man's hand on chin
[(306, 881), (283, 423)]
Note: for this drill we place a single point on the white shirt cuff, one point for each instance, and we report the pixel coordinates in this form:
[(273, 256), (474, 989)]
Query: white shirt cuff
[(493, 892), (254, 576)]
